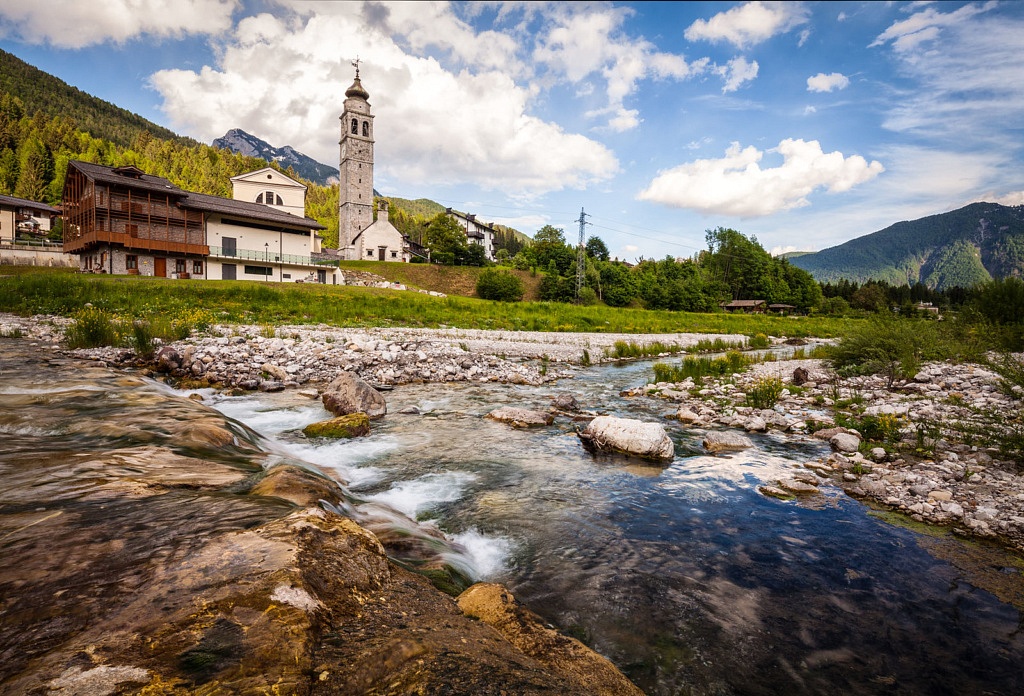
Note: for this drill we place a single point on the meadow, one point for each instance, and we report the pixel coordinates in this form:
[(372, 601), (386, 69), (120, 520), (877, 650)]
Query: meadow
[(47, 291)]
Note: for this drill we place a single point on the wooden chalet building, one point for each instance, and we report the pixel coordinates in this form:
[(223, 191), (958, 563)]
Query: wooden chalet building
[(121, 220), (745, 306)]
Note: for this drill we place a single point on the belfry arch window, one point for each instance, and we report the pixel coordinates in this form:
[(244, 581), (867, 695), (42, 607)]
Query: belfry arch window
[(355, 126), (366, 129), (270, 198)]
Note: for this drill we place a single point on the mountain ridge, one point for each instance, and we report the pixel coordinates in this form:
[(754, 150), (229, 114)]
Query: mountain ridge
[(240, 142), (959, 248)]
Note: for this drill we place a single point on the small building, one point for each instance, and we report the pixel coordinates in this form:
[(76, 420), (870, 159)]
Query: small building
[(25, 219), (124, 221), (745, 306), (477, 232), (779, 308), (381, 241)]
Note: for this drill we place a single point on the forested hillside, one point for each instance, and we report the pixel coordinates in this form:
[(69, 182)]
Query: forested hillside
[(961, 248)]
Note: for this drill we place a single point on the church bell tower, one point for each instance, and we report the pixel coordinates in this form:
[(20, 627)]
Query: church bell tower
[(355, 192)]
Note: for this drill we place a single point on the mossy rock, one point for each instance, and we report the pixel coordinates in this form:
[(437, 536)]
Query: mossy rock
[(352, 425)]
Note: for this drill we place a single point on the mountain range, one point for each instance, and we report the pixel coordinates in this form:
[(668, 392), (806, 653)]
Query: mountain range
[(238, 141), (960, 248)]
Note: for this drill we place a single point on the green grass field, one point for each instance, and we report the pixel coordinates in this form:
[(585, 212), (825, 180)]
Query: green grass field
[(46, 291)]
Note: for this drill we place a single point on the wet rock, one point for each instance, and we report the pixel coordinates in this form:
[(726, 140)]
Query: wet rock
[(798, 487), (725, 440), (495, 606), (628, 436), (271, 387), (521, 417), (347, 426), (800, 376), (349, 394), (685, 415), (565, 402), (298, 486), (410, 411), (167, 359)]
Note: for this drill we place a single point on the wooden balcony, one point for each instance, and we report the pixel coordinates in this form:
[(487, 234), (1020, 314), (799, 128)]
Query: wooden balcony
[(82, 242)]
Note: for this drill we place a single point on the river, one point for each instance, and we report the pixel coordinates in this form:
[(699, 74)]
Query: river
[(686, 577)]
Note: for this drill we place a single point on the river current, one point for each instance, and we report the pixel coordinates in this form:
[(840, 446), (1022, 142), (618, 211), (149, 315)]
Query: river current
[(683, 575)]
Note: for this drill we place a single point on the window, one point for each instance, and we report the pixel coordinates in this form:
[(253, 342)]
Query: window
[(132, 229), (270, 198), (131, 262), (179, 265), (369, 252), (259, 270), (366, 129), (394, 254), (197, 267), (287, 276), (355, 127)]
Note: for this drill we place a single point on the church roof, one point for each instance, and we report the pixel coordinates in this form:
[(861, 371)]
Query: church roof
[(357, 90)]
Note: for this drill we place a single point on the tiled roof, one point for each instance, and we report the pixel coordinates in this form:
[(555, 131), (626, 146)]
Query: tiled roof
[(25, 203)]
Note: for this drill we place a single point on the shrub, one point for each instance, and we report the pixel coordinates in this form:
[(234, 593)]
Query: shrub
[(141, 337), (503, 286), (886, 345), (698, 367), (758, 341), (587, 296), (764, 393), (93, 328)]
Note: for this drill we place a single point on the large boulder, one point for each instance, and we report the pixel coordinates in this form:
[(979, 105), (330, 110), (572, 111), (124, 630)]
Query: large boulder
[(352, 425), (628, 436), (349, 394), (726, 440), (520, 417)]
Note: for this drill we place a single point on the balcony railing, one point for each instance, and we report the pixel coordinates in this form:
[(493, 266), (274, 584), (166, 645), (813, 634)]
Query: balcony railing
[(268, 257)]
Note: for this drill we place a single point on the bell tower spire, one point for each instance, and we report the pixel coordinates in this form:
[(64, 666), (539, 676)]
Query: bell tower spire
[(355, 192)]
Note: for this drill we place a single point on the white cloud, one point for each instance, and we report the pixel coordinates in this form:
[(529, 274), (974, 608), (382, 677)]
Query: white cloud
[(1011, 198), (826, 83), (737, 185), (76, 24), (749, 24), (585, 42), (808, 110), (909, 33), (282, 78), (736, 72)]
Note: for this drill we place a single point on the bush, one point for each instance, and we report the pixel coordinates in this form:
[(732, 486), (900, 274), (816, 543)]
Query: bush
[(587, 296), (887, 346), (503, 286), (758, 341), (764, 393)]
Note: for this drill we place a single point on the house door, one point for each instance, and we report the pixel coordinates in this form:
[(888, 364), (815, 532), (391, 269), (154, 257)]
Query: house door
[(229, 246), (321, 276), (228, 271), (380, 253), (160, 267)]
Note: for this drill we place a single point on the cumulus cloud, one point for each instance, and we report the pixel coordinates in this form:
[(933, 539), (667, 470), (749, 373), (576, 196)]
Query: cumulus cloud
[(749, 24), (826, 83), (735, 73), (283, 78), (77, 24), (737, 185), (579, 43)]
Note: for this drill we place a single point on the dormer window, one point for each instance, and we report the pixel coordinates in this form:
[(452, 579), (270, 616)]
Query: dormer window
[(269, 198)]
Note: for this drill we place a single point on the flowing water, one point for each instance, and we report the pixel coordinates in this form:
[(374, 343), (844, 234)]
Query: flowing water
[(683, 575)]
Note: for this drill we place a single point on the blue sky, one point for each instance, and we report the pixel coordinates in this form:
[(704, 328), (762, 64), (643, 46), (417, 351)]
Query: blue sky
[(805, 124)]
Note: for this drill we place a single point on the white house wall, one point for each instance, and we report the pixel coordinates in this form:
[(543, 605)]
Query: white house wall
[(247, 187)]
